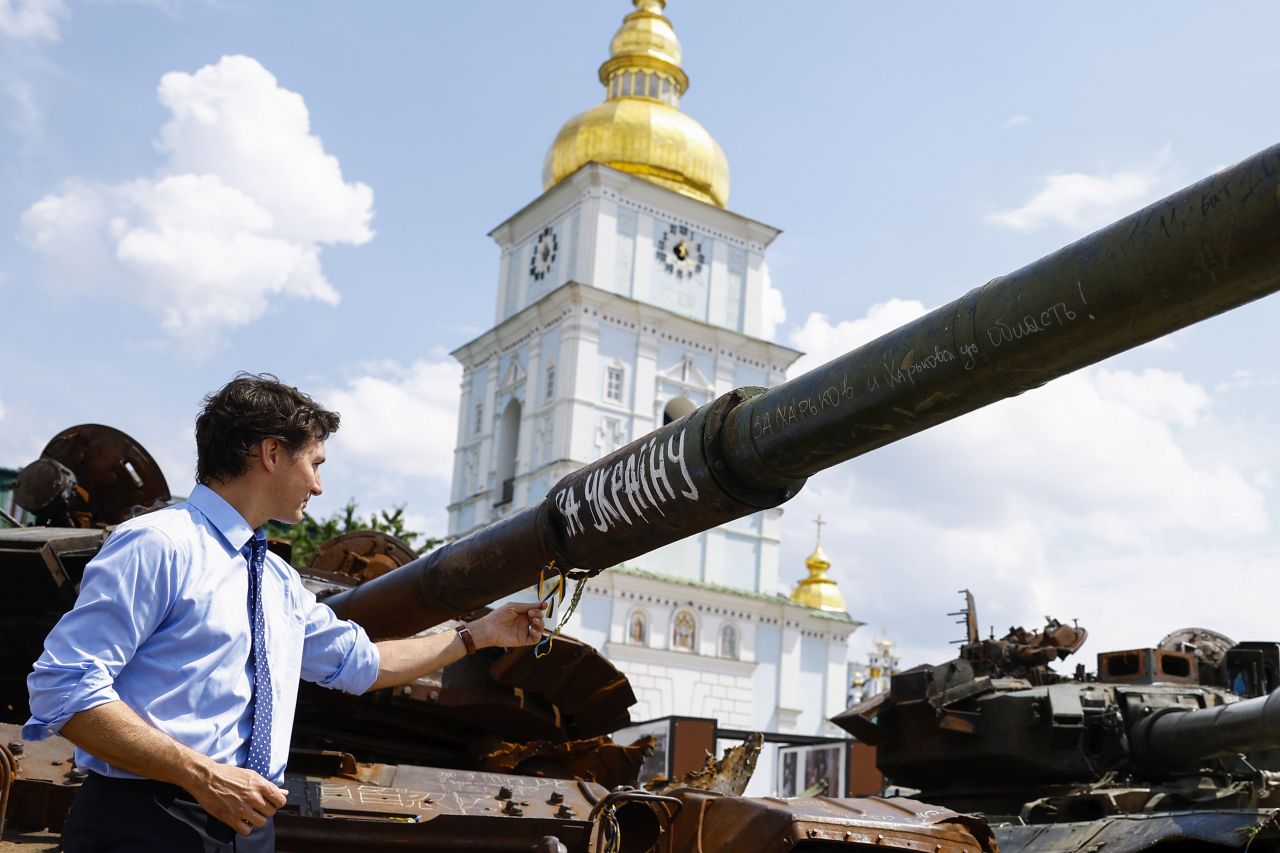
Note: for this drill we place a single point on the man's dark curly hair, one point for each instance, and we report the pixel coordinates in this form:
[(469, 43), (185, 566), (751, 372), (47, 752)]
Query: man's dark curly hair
[(250, 408)]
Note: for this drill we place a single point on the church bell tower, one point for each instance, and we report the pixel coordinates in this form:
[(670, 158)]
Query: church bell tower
[(628, 296)]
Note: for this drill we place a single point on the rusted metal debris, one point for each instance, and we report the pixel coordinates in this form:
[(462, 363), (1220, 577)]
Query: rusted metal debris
[(361, 555), (337, 804), (597, 759), (455, 717), (41, 780), (723, 823), (90, 476), (727, 775)]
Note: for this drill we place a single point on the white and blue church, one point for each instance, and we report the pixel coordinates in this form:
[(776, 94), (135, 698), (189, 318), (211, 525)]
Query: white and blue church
[(629, 295)]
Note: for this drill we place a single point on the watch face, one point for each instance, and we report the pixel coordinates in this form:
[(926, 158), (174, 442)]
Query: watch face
[(544, 254), (680, 252)]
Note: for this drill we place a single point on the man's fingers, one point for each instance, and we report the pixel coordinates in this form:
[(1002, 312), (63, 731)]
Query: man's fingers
[(276, 797)]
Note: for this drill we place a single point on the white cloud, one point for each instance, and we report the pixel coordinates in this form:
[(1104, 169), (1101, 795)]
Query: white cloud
[(235, 217), (821, 341), (1016, 121), (1245, 380), (1083, 202), (400, 420), (1102, 496), (27, 119), (31, 20)]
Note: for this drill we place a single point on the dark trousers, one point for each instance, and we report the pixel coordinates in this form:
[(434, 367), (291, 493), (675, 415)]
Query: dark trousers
[(142, 816)]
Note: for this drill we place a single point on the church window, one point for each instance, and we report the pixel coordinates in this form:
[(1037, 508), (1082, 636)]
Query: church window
[(479, 424), (653, 85), (684, 632), (613, 384), (508, 449), (550, 388), (638, 630), (729, 642)]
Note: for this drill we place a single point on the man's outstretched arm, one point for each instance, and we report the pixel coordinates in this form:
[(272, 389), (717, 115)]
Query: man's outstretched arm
[(240, 798), (512, 624)]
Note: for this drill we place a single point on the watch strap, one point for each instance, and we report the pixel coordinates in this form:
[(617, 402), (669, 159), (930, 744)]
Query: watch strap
[(467, 640)]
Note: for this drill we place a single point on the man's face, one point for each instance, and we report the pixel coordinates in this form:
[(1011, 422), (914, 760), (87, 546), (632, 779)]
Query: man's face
[(295, 480)]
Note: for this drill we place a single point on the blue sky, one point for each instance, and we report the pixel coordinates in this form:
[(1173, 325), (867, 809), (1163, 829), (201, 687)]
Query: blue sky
[(909, 152)]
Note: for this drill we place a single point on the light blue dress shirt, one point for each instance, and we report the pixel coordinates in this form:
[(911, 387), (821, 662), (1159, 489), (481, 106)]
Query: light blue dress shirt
[(162, 624)]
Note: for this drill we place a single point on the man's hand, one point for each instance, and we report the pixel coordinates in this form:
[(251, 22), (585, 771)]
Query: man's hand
[(238, 797), (512, 624), (401, 661)]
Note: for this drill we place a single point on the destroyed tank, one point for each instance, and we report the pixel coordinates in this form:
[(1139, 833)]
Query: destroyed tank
[(1206, 249), (499, 751), (1160, 747)]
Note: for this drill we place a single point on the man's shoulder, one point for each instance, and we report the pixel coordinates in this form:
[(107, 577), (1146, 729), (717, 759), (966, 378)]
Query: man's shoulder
[(172, 526)]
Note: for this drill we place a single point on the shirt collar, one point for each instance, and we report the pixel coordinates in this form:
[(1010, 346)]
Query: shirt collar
[(224, 517)]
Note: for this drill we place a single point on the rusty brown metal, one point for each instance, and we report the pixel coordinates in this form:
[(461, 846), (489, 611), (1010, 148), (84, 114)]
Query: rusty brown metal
[(714, 823), (1203, 250), (361, 555), (8, 773), (728, 774), (337, 804), (597, 759), (43, 781), (90, 476), (454, 717), (407, 807)]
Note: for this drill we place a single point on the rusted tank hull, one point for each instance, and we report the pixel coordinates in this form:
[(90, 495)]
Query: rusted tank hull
[(1206, 249), (338, 804)]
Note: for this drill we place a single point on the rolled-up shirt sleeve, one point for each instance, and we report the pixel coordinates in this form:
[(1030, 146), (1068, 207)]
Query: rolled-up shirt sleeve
[(336, 653), (125, 593)]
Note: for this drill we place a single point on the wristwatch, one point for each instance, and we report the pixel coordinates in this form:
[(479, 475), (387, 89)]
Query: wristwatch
[(467, 640)]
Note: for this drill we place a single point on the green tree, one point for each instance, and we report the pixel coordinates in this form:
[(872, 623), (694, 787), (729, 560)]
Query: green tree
[(308, 535)]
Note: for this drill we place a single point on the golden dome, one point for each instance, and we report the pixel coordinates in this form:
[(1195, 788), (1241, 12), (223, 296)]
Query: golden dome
[(639, 128), (819, 591)]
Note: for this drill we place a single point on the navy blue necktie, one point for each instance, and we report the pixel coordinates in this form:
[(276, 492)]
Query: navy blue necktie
[(260, 735)]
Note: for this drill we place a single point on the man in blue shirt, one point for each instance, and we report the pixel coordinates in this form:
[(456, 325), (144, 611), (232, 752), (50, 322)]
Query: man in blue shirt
[(176, 673)]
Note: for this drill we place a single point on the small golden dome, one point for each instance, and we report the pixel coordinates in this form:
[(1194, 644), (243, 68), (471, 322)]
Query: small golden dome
[(639, 128), (819, 591)]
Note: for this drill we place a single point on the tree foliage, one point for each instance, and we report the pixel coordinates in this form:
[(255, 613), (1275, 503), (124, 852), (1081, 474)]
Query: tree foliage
[(308, 535)]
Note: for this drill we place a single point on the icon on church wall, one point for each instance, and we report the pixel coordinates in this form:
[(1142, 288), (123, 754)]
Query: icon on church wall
[(684, 632), (639, 632)]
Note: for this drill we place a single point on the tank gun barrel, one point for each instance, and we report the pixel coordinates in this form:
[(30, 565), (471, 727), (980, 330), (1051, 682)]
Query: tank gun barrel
[(1203, 250), (1175, 738)]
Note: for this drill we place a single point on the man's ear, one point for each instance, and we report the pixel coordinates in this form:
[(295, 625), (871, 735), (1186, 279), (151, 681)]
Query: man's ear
[(271, 452)]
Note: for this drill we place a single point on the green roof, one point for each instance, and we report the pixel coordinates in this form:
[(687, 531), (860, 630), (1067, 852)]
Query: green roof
[(730, 590)]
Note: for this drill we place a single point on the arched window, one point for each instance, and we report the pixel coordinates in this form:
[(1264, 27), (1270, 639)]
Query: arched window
[(684, 632), (508, 447), (729, 642), (638, 629)]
